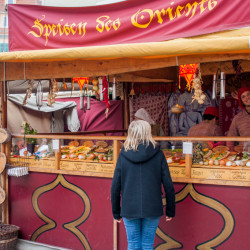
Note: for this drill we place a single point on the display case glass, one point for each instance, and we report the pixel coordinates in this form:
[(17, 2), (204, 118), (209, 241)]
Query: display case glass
[(220, 160)]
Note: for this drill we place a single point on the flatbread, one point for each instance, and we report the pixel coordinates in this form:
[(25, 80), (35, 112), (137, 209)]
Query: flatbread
[(101, 144), (220, 149), (88, 144), (74, 143)]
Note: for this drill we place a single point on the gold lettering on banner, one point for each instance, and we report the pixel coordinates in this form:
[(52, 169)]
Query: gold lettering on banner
[(143, 18), (202, 7), (189, 7), (211, 4), (158, 14), (104, 22), (37, 25), (178, 11), (140, 15), (47, 30)]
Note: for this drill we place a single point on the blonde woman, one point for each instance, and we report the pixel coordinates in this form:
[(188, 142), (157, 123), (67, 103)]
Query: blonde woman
[(136, 192)]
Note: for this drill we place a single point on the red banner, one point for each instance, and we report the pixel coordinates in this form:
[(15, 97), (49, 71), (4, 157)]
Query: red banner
[(39, 27)]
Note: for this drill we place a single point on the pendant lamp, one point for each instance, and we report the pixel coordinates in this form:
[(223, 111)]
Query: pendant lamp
[(114, 90), (222, 85), (39, 95), (100, 89), (88, 100)]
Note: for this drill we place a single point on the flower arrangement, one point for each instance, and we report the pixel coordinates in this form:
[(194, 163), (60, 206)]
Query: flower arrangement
[(28, 130)]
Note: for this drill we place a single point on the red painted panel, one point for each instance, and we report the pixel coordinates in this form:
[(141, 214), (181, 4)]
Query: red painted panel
[(198, 215), (63, 206)]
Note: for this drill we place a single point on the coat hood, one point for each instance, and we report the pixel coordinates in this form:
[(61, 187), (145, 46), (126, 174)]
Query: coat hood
[(142, 154)]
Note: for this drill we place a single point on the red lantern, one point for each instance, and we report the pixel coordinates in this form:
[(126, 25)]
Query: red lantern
[(81, 81), (187, 71)]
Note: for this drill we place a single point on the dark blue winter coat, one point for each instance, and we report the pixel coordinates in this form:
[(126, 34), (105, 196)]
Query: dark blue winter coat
[(136, 190)]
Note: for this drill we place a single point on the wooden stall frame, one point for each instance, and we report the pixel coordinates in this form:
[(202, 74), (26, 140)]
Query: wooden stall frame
[(4, 149), (116, 150)]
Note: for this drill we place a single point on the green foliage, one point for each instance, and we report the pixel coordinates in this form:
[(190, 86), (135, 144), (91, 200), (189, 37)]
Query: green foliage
[(28, 130)]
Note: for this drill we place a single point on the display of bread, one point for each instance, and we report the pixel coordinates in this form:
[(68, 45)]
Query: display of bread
[(89, 151)]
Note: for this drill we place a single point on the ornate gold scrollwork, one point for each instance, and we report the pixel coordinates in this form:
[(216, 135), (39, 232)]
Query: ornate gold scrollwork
[(50, 224)]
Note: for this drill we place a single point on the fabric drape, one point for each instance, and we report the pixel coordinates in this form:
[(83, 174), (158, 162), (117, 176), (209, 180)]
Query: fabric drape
[(155, 104), (95, 119)]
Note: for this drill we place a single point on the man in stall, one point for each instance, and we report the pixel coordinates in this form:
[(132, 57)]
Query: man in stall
[(209, 125), (240, 125)]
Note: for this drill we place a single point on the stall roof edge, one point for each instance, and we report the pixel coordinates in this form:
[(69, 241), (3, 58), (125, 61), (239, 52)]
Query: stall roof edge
[(232, 41)]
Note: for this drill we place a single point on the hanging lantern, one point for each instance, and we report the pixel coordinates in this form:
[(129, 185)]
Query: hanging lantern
[(132, 91), (214, 90), (88, 101), (100, 89), (114, 90), (81, 81), (82, 102), (39, 95), (187, 71), (64, 84), (222, 85), (95, 85)]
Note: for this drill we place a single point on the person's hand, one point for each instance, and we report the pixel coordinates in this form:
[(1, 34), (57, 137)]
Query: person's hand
[(118, 221), (168, 218)]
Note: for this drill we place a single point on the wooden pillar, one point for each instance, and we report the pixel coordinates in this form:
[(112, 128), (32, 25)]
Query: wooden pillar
[(116, 152), (188, 160), (126, 106), (4, 176), (115, 236), (58, 155), (4, 105)]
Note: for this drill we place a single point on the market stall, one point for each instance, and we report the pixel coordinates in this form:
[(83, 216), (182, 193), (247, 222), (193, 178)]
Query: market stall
[(65, 198)]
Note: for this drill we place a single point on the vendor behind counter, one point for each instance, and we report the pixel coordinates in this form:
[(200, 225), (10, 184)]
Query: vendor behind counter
[(209, 125), (240, 125)]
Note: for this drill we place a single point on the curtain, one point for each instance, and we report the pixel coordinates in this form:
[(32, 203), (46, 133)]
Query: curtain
[(156, 106), (229, 107), (95, 118)]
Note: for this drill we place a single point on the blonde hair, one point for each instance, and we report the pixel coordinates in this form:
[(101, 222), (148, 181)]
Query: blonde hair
[(138, 132)]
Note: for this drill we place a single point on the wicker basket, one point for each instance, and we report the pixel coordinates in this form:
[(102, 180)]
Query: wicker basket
[(8, 236)]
